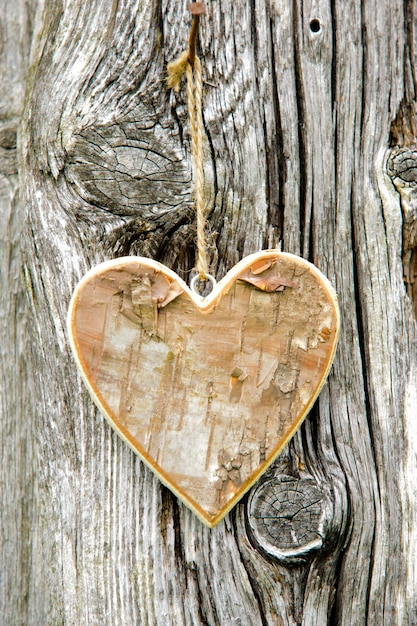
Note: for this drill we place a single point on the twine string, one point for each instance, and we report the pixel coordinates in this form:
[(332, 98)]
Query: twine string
[(195, 112), (188, 63)]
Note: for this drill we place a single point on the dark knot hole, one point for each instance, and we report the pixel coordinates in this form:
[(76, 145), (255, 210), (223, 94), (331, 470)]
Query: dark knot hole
[(315, 25)]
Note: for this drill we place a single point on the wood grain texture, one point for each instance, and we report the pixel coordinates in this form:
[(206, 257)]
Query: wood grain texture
[(299, 100), (206, 390), (17, 467)]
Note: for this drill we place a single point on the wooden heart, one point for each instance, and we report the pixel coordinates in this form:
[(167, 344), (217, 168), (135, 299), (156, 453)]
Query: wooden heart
[(206, 390)]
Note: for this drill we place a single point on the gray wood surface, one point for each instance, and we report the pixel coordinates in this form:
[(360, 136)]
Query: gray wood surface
[(309, 111)]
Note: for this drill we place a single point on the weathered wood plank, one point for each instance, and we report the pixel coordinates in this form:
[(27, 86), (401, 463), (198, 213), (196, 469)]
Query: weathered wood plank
[(298, 119), (17, 468)]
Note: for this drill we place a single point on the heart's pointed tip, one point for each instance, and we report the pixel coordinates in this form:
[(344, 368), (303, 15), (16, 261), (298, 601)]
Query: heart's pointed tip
[(210, 521)]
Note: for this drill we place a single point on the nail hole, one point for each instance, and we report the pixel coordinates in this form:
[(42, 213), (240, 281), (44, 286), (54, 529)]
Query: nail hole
[(315, 25)]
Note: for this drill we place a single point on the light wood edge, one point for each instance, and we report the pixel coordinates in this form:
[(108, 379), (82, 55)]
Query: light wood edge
[(205, 305)]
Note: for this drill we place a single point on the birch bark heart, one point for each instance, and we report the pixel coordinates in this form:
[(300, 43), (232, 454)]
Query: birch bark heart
[(206, 390)]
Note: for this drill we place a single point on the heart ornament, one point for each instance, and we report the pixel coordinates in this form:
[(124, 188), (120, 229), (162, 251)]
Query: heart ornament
[(206, 390)]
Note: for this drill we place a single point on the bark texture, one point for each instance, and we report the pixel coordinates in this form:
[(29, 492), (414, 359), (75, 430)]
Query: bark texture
[(309, 114)]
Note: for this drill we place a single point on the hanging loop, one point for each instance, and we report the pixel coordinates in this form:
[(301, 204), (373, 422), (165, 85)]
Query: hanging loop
[(201, 279)]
